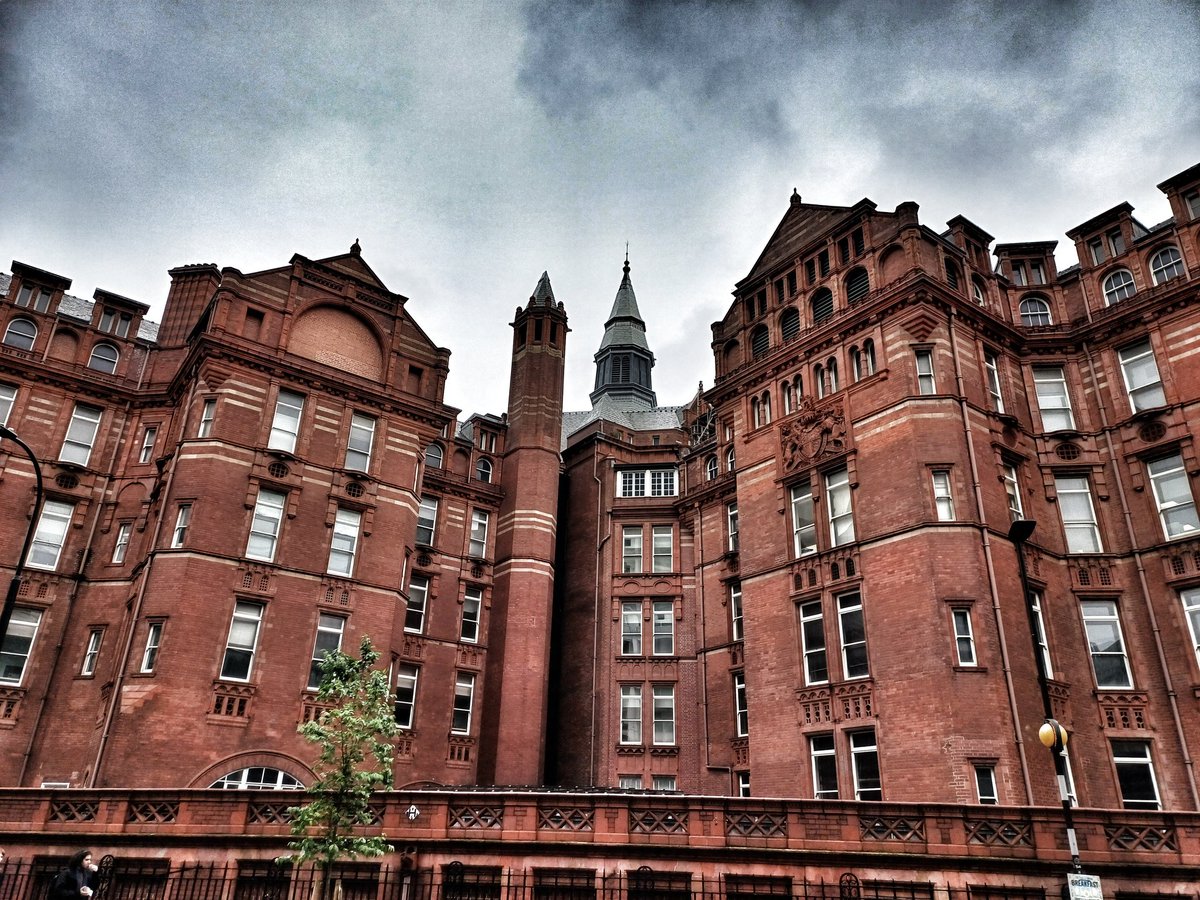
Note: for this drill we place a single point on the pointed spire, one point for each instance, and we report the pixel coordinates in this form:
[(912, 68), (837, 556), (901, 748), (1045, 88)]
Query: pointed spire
[(543, 294), (624, 360)]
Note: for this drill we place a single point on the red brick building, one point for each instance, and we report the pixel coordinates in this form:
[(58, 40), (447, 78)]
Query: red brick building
[(799, 583)]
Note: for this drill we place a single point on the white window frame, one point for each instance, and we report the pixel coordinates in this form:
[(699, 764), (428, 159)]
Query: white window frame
[(991, 366), (1143, 392), (8, 399), (121, 543), (80, 438), (464, 703), (813, 646), (1123, 759), (17, 334), (822, 754), (658, 482), (631, 628), (1173, 497), (149, 437), (804, 521), (104, 358), (710, 466), (943, 496), (472, 610), (1166, 264), (662, 548), (1190, 599), (477, 547), (1078, 513), (285, 423), (330, 630), (183, 518), (208, 414), (663, 783), (1053, 398), (359, 442), (964, 638), (1012, 489), (663, 714), (415, 612), (266, 524), (736, 621), (631, 550), (343, 542), (427, 520), (244, 629), (92, 652), (1118, 285), (631, 714), (731, 526), (629, 782), (404, 711), (741, 713), (864, 746), (1039, 624), (985, 784), (1102, 630), (840, 507), (662, 628), (743, 784), (50, 537), (154, 633), (926, 383), (16, 645), (850, 609)]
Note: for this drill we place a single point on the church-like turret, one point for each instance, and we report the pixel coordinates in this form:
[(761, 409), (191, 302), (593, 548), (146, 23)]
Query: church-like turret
[(624, 360)]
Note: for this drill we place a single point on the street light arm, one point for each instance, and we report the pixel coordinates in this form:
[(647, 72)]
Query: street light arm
[(10, 599)]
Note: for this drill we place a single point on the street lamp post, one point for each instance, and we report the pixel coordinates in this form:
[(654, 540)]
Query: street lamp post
[(1051, 734), (10, 599)]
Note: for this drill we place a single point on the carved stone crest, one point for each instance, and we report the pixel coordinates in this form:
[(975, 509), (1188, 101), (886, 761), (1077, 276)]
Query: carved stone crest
[(812, 434)]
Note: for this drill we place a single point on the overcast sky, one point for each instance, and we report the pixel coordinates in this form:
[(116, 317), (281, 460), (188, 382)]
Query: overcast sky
[(471, 145)]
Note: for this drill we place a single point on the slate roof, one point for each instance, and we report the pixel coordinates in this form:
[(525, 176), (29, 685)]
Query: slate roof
[(80, 310), (612, 410)]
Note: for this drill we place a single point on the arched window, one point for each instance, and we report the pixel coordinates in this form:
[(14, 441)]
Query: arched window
[(819, 379), (433, 456), (822, 306), (868, 354), (831, 368), (1166, 264), (710, 468), (789, 398), (789, 323), (258, 778), (952, 273), (1035, 311), (858, 284), (21, 333), (798, 384), (483, 470), (755, 413), (760, 342), (1118, 286), (765, 403), (856, 371), (730, 460), (977, 291), (104, 358)]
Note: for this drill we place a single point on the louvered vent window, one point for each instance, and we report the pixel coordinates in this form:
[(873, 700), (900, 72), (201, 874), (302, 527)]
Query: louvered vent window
[(760, 342), (789, 324), (822, 305), (858, 285)]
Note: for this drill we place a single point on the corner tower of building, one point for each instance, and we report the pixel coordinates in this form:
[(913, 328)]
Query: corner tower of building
[(624, 360), (514, 726)]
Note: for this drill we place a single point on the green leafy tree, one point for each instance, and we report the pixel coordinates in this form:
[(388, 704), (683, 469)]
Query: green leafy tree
[(354, 734)]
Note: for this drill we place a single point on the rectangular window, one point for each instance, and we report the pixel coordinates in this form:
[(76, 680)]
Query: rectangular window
[(121, 546), (1173, 496), (985, 785), (646, 483), (1096, 251), (854, 636), (50, 535), (153, 641), (661, 548), (663, 782), (329, 640), (804, 523), (406, 694), (1191, 611), (1012, 488), (741, 713), (358, 445), (991, 366), (114, 322), (8, 397), (264, 527), (477, 549), (731, 518), (418, 599), (664, 628), (243, 639), (629, 782), (735, 611), (1142, 380), (743, 784), (1192, 201), (146, 453), (631, 549), (33, 298), (841, 516), (1135, 774), (864, 754), (183, 519), (81, 434), (631, 714), (1018, 274), (664, 713), (285, 425), (631, 628), (925, 382), (472, 606), (426, 520), (812, 638), (964, 637), (1037, 272), (1078, 514), (92, 653), (344, 542), (1039, 634), (1105, 644), (824, 766), (464, 699), (943, 499), (18, 644), (1116, 242), (1054, 403), (207, 414)]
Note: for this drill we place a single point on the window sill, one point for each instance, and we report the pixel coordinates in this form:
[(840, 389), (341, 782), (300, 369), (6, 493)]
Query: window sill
[(964, 669)]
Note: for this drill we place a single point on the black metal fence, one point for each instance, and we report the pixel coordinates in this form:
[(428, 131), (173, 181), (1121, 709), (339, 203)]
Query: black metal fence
[(155, 879)]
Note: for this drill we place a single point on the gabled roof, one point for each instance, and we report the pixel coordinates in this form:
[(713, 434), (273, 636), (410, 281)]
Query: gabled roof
[(802, 224)]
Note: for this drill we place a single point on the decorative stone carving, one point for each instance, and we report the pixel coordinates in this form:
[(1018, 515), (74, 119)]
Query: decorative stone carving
[(814, 433)]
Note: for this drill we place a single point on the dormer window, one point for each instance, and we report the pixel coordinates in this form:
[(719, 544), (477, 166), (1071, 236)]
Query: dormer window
[(1192, 201), (1037, 272), (35, 298), (114, 322), (1018, 274)]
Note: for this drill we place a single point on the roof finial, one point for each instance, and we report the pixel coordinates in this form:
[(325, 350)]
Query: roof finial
[(626, 269), (355, 248), (795, 197)]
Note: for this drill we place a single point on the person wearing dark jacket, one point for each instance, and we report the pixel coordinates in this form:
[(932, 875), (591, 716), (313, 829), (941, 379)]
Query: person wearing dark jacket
[(77, 880)]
